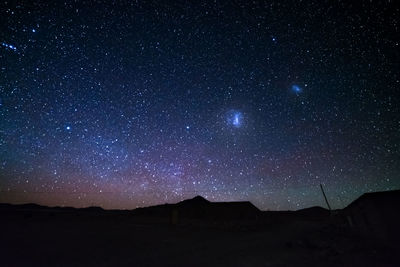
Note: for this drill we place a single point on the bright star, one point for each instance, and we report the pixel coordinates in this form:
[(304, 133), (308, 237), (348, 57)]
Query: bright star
[(68, 128)]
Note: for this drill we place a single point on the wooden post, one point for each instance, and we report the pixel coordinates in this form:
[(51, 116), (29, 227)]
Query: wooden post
[(326, 200)]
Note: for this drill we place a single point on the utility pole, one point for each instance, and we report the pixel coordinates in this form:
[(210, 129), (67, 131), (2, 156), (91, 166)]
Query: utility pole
[(326, 200)]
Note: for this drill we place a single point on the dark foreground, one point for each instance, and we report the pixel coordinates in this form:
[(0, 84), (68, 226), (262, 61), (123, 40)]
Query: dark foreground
[(119, 239)]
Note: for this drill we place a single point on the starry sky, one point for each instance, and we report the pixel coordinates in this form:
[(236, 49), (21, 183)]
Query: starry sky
[(122, 104)]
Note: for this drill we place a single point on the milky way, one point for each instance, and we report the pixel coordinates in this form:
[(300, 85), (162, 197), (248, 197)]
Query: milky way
[(123, 104)]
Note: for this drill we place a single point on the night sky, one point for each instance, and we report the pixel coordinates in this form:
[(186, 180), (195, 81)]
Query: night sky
[(121, 104)]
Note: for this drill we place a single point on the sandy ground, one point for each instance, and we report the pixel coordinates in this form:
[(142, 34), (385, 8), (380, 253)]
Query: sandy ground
[(129, 241)]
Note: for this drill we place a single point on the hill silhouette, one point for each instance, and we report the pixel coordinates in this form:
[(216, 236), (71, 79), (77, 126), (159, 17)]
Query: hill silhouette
[(199, 232), (200, 208)]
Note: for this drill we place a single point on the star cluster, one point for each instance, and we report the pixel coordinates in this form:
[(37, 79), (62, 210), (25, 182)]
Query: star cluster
[(132, 103)]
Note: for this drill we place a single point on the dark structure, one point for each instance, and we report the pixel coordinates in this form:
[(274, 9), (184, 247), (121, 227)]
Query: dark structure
[(376, 215), (200, 208)]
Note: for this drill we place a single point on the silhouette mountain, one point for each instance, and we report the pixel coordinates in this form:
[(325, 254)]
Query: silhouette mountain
[(376, 214), (224, 231), (28, 206), (197, 200), (200, 208), (37, 207)]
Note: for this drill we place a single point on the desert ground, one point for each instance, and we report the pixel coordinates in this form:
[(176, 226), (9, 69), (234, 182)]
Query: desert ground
[(99, 238)]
